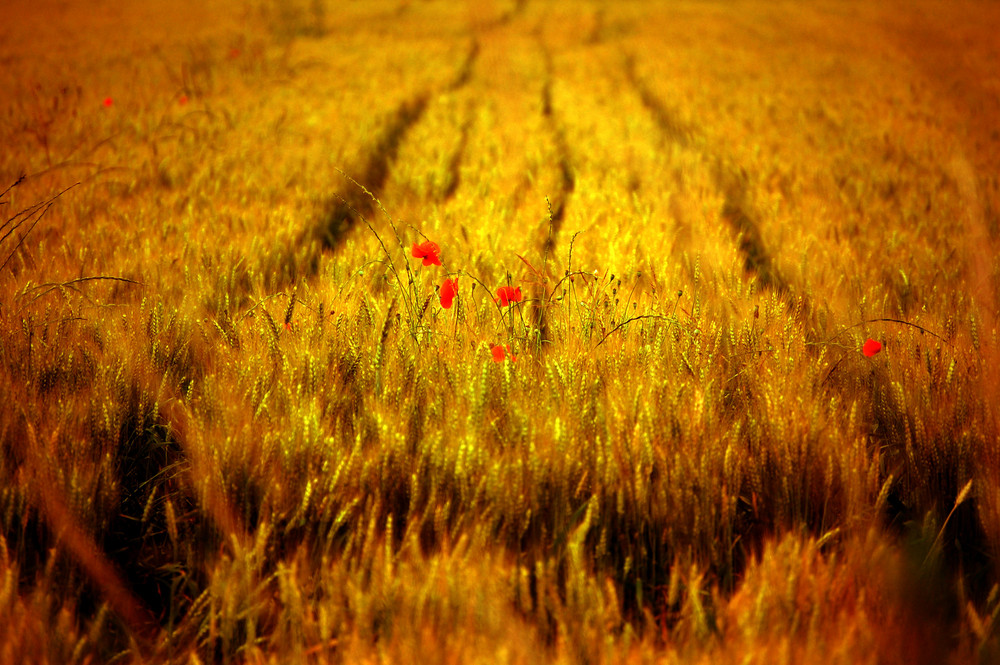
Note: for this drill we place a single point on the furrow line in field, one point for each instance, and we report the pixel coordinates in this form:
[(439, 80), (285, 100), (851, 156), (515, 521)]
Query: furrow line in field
[(596, 33), (668, 123), (501, 20), (468, 67), (351, 203), (567, 177), (465, 74), (737, 213), (731, 183), (455, 161), (511, 13)]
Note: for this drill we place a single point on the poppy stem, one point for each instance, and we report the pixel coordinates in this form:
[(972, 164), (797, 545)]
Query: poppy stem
[(548, 240), (409, 297), (882, 320), (485, 288), (37, 211), (670, 319), (564, 278)]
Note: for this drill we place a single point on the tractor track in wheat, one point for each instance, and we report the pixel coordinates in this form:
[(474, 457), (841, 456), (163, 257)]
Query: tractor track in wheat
[(351, 203), (567, 176), (737, 211), (731, 182)]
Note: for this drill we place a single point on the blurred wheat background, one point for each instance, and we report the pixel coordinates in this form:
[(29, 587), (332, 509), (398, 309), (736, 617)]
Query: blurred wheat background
[(239, 425)]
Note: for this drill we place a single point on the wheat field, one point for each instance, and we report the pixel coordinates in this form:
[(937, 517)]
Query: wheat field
[(513, 331)]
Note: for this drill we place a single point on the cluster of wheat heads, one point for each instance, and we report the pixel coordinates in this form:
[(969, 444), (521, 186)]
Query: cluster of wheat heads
[(247, 439), (325, 473)]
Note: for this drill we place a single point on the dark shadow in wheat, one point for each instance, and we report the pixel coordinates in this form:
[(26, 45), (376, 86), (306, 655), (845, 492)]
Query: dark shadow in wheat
[(151, 467)]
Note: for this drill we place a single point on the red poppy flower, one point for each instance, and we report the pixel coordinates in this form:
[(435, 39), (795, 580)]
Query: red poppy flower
[(429, 252), (448, 292), (108, 102), (507, 295), (871, 347), (182, 100)]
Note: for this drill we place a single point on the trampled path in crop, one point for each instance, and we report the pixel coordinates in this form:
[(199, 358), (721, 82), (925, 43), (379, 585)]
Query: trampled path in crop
[(695, 133), (744, 131), (627, 127), (507, 78), (523, 90)]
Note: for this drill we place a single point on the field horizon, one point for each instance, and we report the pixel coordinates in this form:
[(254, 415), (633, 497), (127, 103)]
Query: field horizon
[(521, 331)]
